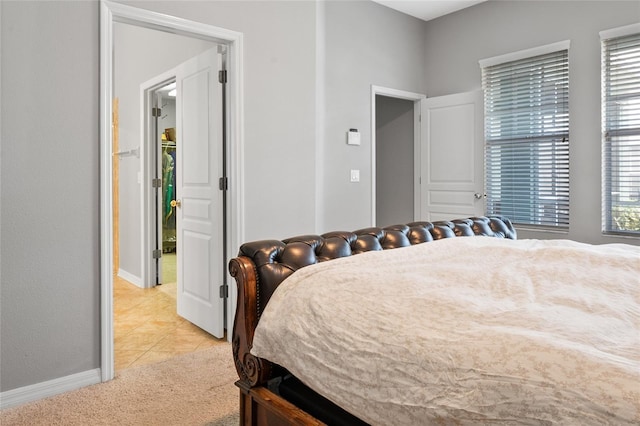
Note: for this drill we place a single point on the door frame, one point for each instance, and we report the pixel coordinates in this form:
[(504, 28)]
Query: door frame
[(417, 142), (110, 13)]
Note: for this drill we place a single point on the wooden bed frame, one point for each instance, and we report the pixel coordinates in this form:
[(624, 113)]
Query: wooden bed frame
[(262, 265)]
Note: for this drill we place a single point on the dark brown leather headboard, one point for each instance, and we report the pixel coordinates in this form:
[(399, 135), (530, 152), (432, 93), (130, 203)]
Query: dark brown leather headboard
[(276, 260)]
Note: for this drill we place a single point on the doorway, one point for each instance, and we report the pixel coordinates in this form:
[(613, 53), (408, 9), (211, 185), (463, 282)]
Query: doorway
[(180, 116), (111, 14), (147, 327), (162, 141), (166, 269), (394, 161), (396, 142)]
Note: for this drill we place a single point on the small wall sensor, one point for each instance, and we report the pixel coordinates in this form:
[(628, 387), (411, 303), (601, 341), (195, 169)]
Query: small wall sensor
[(353, 137)]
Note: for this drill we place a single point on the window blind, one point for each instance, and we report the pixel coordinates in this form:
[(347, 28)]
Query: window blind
[(527, 139), (621, 133)]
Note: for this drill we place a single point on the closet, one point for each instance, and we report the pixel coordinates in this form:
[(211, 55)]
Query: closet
[(168, 190), (166, 167)]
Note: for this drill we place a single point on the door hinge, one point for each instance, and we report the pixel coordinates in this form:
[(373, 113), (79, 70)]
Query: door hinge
[(156, 112), (222, 76), (156, 183), (157, 254), (223, 184), (224, 291)]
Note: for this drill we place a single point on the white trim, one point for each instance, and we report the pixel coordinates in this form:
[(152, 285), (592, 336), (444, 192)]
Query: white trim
[(23, 395), (417, 142), (158, 21), (417, 157), (396, 93), (111, 12), (620, 31), (320, 114), (106, 208), (527, 53), (129, 277), (235, 143)]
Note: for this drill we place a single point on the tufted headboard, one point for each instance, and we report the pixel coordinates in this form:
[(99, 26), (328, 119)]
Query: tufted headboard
[(276, 260)]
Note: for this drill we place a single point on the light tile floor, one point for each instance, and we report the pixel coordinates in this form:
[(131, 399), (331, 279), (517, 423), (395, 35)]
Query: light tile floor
[(147, 328)]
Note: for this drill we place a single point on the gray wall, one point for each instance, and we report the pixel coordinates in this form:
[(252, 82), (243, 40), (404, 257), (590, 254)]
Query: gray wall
[(394, 161), (49, 311), (139, 55), (365, 44), (279, 106), (456, 42)]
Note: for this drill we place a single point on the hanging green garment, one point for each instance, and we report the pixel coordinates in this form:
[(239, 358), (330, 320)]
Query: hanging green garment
[(168, 210), (167, 184)]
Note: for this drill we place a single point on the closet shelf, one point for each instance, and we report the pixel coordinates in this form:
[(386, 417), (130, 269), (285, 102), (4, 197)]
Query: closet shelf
[(130, 153)]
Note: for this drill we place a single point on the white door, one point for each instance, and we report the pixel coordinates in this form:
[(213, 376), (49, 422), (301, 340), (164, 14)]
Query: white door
[(199, 211), (452, 165)]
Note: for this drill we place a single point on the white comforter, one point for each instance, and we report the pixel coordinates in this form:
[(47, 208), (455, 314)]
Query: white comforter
[(466, 331)]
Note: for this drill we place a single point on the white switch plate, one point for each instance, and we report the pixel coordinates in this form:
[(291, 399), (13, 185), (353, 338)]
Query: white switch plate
[(353, 137), (355, 175)]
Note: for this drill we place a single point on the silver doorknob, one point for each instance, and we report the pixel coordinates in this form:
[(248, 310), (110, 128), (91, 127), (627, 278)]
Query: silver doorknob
[(176, 203)]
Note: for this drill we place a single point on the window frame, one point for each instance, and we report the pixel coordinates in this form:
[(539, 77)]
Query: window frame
[(535, 219), (608, 133)]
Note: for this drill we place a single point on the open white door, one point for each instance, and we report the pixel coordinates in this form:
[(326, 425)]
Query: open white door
[(199, 199), (452, 157)]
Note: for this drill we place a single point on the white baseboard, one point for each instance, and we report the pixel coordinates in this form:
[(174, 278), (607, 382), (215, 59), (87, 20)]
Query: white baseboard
[(49, 388), (133, 279)]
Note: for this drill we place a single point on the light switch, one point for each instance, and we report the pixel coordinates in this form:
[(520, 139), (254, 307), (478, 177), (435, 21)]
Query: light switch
[(355, 175)]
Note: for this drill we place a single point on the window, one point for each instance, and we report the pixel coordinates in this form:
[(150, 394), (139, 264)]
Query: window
[(621, 131), (526, 98)]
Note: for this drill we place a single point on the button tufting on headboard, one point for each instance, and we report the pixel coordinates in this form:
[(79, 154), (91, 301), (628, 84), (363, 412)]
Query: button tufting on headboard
[(276, 260)]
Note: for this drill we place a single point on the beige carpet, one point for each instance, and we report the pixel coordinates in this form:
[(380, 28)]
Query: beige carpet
[(191, 389)]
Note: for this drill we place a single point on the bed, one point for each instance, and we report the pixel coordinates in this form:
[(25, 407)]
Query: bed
[(481, 330)]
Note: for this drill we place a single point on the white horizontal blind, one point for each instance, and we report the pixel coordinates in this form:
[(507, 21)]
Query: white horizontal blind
[(621, 133), (527, 139)]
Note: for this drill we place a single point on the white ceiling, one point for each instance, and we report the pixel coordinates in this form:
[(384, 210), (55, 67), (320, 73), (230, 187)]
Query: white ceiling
[(428, 9)]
